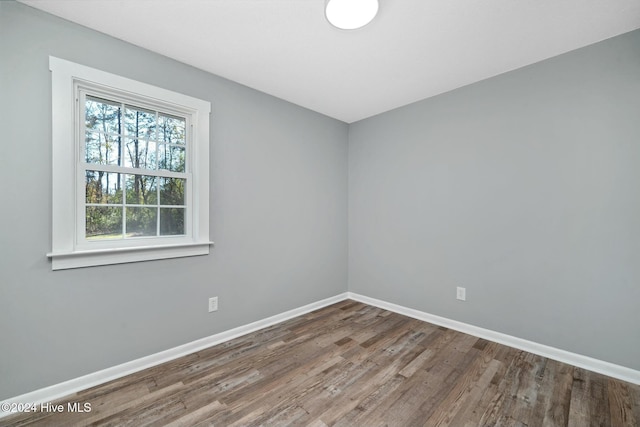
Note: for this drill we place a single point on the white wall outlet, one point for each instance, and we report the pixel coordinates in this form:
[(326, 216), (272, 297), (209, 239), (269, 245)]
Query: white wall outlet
[(461, 293), (213, 304)]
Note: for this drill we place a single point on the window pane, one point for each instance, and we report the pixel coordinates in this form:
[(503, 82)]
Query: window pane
[(103, 222), (102, 149), (103, 187), (171, 221), (141, 221), (171, 158), (140, 154), (172, 191), (102, 115), (142, 189), (171, 129), (140, 123)]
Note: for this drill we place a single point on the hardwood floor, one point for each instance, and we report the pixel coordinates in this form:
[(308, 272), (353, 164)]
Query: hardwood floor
[(351, 364)]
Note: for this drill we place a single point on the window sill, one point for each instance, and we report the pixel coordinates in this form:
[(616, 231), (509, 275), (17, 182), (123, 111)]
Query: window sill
[(79, 259)]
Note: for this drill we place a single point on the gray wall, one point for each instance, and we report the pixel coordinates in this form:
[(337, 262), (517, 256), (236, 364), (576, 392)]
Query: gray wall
[(278, 216), (524, 189)]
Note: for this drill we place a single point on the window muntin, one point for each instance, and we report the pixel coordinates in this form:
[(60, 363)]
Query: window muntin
[(136, 170)]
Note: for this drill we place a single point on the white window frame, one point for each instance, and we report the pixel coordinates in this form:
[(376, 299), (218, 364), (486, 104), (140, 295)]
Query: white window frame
[(69, 247)]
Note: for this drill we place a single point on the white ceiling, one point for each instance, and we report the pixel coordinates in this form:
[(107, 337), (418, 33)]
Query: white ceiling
[(414, 49)]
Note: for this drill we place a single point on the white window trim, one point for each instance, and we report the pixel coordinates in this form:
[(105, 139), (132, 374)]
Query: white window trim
[(67, 251)]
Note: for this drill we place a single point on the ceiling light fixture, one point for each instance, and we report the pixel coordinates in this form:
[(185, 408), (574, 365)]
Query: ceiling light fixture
[(351, 14)]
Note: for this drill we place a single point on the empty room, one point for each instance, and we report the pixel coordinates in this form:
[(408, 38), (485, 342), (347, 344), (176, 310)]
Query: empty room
[(320, 213)]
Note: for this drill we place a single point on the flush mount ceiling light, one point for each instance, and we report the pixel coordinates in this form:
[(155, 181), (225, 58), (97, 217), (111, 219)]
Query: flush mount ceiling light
[(351, 14)]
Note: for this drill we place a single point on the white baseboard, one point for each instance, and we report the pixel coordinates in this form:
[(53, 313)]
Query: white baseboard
[(57, 391), (612, 370)]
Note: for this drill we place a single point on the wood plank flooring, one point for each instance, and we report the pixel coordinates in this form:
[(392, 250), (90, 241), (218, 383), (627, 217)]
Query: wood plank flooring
[(351, 364)]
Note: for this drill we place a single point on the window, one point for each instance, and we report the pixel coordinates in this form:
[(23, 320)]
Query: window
[(135, 169), (130, 170)]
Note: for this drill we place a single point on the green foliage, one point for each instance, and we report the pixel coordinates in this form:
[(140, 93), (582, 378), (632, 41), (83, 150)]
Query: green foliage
[(141, 221), (103, 222), (171, 221)]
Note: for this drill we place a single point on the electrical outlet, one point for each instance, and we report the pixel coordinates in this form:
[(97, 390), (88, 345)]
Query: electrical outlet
[(461, 293), (213, 304)]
